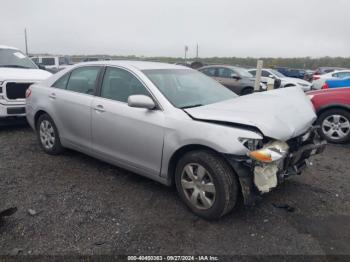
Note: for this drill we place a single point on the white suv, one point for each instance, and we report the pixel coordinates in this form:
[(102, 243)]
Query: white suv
[(17, 73)]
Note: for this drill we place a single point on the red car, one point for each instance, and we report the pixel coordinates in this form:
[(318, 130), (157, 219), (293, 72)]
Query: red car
[(333, 111)]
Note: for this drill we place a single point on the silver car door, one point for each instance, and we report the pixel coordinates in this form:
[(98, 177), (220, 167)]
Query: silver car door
[(71, 106), (131, 137)]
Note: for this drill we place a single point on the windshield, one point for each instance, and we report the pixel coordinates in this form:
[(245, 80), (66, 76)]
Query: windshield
[(15, 58), (243, 72), (186, 88), (276, 73)]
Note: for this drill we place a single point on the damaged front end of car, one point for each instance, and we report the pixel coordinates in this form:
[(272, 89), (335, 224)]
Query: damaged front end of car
[(269, 162)]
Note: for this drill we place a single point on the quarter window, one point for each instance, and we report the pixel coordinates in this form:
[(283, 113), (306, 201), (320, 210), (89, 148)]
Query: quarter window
[(119, 84), (61, 83), (83, 80)]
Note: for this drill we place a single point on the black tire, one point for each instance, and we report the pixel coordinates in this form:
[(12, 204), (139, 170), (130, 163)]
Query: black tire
[(247, 91), (57, 146), (324, 116), (224, 180)]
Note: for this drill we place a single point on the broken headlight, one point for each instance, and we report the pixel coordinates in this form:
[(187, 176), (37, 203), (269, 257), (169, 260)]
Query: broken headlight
[(271, 152), (251, 144)]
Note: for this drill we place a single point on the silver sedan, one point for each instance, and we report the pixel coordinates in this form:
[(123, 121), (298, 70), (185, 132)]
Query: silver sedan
[(177, 126)]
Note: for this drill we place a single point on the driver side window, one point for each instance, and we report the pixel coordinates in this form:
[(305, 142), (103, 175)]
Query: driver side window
[(119, 84), (225, 72)]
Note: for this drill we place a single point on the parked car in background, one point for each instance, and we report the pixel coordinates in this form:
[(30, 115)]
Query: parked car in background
[(309, 75), (267, 74), (326, 69), (291, 72), (320, 80), (337, 83), (333, 111), (177, 126), (52, 64), (237, 79), (17, 73)]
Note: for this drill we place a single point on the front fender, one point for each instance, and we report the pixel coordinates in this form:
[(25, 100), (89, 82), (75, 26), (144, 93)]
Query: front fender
[(218, 137)]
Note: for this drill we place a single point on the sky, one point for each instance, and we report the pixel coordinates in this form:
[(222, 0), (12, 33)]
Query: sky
[(240, 28)]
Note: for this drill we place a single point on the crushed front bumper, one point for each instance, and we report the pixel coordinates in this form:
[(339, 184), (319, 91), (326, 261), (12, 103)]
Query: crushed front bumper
[(257, 178)]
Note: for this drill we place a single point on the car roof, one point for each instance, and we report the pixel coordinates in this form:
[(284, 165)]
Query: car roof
[(140, 65), (8, 47), (339, 71)]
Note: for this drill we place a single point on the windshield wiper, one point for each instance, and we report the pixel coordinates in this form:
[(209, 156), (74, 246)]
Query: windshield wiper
[(190, 106), (15, 66)]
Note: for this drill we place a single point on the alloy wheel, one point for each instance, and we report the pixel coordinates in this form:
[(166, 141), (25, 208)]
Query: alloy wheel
[(198, 186), (336, 127), (47, 134)]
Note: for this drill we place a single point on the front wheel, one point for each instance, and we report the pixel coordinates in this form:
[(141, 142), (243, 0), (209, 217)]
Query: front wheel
[(335, 125), (206, 183), (48, 135), (247, 91)]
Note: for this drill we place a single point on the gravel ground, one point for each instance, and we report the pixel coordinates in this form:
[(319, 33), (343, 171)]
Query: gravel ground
[(84, 206)]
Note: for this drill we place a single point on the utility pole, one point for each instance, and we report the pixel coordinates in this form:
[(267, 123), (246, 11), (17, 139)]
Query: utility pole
[(186, 49), (197, 51), (259, 67), (26, 41)]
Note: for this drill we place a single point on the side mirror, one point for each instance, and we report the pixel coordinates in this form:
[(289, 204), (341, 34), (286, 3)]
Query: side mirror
[(235, 76), (141, 101), (271, 76)]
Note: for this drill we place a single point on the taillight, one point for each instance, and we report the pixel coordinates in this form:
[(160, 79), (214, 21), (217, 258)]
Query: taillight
[(325, 86), (28, 92), (316, 77)]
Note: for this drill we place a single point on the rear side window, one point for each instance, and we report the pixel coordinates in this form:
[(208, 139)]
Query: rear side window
[(61, 83), (119, 84), (83, 80), (224, 72), (342, 74), (209, 71)]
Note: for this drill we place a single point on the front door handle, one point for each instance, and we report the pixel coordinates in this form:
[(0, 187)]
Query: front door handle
[(52, 95), (99, 108)]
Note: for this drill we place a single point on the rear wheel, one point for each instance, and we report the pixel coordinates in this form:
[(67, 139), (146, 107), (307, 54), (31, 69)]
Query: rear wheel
[(47, 135), (206, 183), (335, 125)]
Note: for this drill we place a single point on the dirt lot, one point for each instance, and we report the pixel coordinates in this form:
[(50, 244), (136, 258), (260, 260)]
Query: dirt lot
[(85, 206)]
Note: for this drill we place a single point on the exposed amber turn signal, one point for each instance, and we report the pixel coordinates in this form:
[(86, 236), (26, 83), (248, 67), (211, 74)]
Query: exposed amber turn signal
[(261, 155)]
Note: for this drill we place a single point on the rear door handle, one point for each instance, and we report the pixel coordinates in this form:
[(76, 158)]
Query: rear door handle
[(99, 108), (52, 95)]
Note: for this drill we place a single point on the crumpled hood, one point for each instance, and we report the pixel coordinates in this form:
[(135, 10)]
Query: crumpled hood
[(23, 74), (280, 114)]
